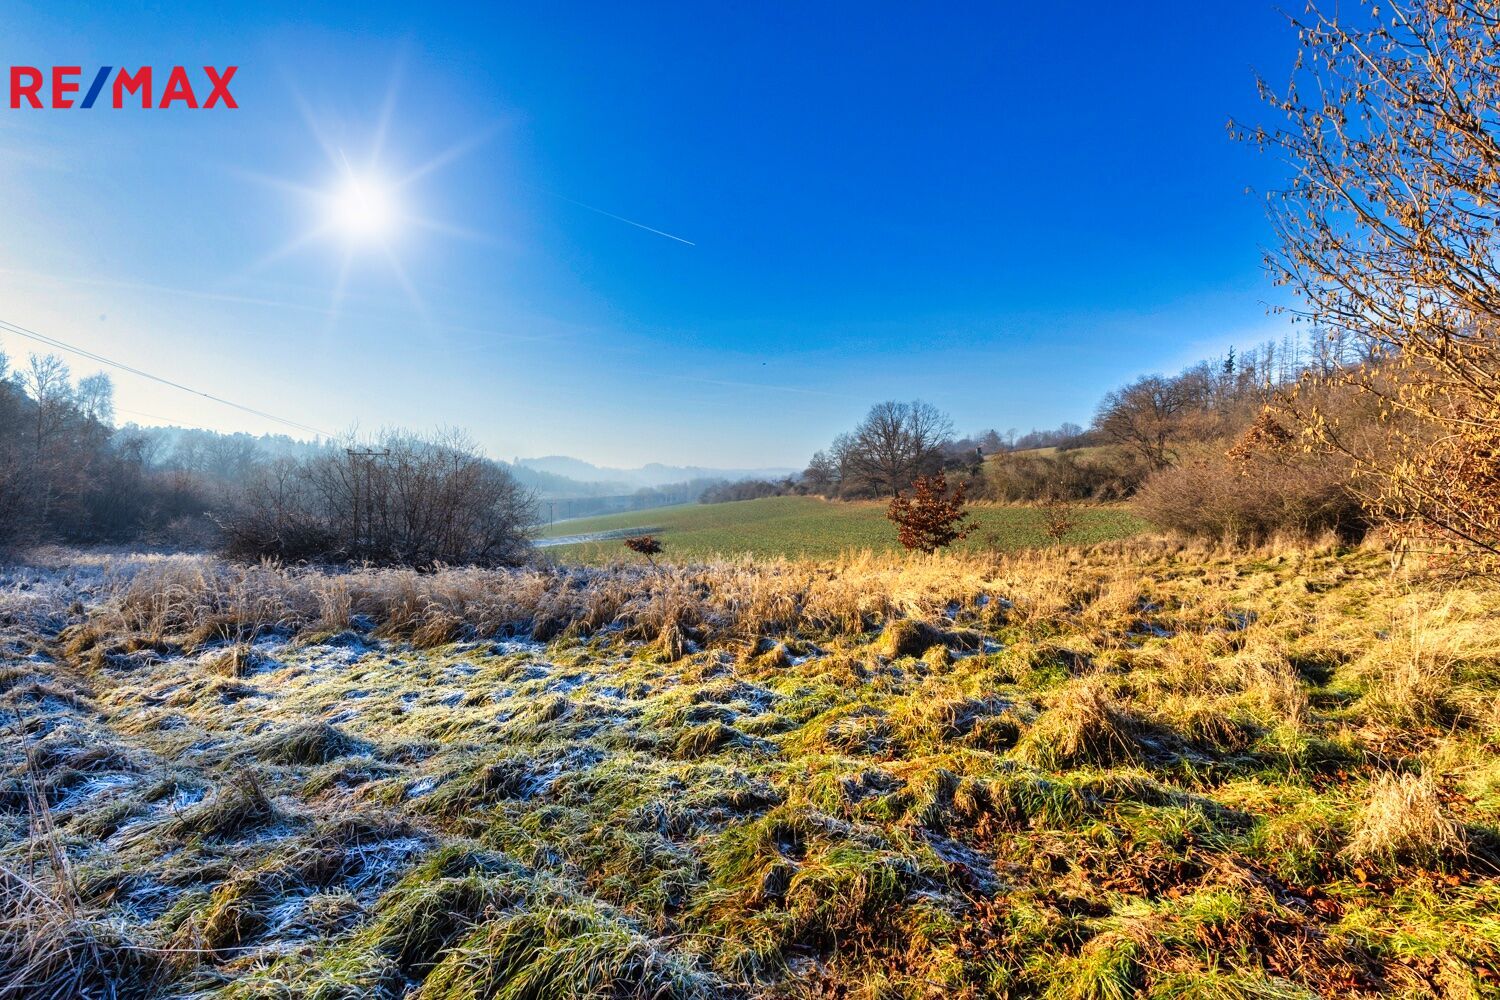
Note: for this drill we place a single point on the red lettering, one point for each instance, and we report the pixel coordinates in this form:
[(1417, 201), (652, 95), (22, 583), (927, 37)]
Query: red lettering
[(139, 83), (26, 83), (221, 86), (28, 90), (179, 88), (62, 86)]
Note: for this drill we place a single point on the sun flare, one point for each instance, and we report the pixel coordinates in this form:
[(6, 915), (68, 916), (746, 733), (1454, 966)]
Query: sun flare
[(363, 209)]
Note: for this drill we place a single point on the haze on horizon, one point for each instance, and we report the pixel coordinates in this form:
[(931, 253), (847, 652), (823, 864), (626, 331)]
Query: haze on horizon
[(644, 236)]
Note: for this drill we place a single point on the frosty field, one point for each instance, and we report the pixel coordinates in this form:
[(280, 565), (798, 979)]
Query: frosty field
[(1134, 769)]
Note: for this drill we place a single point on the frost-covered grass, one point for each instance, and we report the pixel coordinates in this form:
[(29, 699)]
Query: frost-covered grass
[(1136, 769)]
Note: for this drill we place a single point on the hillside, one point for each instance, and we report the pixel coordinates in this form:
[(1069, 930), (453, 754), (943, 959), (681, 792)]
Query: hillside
[(808, 526)]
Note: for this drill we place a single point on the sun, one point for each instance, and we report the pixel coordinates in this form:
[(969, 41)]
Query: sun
[(366, 208), (363, 209)]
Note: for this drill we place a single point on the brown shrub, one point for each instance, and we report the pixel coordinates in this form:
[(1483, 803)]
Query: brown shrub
[(1252, 499), (933, 517), (1102, 474)]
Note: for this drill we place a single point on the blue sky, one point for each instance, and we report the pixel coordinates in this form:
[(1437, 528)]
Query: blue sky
[(1003, 209)]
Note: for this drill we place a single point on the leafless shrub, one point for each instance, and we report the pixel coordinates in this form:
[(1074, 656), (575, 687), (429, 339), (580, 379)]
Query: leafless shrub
[(1217, 497), (1104, 474), (1059, 517), (406, 501)]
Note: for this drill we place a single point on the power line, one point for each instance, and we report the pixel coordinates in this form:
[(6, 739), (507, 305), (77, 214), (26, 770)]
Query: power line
[(22, 331)]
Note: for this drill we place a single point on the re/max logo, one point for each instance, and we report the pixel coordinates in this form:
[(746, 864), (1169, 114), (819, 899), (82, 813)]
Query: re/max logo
[(27, 84)]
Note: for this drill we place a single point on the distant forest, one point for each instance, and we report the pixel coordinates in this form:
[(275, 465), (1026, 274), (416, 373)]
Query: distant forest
[(69, 474)]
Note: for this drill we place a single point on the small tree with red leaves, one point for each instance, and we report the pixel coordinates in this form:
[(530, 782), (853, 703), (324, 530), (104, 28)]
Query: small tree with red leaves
[(932, 517), (647, 545)]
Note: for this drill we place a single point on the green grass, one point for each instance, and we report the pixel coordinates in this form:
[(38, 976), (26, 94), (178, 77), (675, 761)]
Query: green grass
[(1138, 770), (806, 526)]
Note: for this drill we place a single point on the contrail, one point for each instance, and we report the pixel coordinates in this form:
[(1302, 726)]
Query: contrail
[(619, 218)]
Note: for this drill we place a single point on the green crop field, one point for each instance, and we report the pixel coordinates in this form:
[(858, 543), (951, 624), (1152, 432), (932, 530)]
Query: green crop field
[(805, 526)]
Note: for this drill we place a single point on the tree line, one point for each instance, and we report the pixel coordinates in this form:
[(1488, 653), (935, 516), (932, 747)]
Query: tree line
[(398, 500), (67, 474), (1173, 443)]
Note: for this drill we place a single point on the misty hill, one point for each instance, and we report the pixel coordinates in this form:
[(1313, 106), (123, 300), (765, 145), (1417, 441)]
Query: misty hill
[(653, 474), (235, 458), (550, 484)]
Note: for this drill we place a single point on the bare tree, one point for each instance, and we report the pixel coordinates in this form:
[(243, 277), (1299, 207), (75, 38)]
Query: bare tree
[(896, 443), (404, 501), (1145, 416), (95, 397), (1387, 232), (47, 382), (822, 474)]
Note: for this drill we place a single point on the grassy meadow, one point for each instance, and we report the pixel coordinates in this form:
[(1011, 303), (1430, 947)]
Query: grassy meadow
[(810, 527), (1134, 769)]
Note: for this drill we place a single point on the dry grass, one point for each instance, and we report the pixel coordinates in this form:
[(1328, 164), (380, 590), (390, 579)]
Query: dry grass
[(197, 602), (1405, 820), (1140, 769), (1084, 724)]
